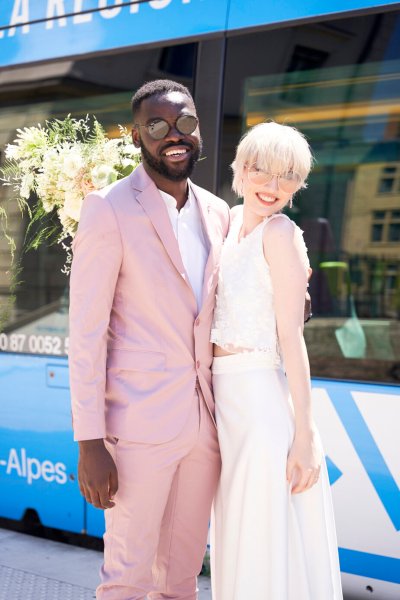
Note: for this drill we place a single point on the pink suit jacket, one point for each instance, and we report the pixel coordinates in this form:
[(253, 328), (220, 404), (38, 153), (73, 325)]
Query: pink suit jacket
[(136, 342)]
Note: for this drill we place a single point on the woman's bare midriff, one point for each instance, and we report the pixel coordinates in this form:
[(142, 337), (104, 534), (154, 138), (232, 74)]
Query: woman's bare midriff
[(218, 351)]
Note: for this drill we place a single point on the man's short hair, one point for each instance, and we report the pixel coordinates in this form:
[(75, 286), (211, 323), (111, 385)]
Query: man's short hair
[(157, 88)]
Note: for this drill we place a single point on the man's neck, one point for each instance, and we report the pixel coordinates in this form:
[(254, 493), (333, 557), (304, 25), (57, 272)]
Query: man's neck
[(176, 189)]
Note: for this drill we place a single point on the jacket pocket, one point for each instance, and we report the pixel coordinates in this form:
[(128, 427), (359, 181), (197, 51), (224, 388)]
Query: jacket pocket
[(136, 360)]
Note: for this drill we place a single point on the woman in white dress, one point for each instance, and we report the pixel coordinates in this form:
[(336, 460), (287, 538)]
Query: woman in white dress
[(273, 533)]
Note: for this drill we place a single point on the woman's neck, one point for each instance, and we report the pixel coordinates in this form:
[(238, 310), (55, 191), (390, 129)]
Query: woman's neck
[(250, 221)]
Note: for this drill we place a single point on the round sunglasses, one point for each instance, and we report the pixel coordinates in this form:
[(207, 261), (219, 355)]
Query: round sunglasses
[(287, 182), (159, 129)]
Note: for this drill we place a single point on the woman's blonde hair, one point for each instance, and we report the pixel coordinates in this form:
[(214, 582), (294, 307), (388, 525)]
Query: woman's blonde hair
[(272, 147)]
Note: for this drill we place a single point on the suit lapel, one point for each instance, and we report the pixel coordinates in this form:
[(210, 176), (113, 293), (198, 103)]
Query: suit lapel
[(154, 206), (214, 241)]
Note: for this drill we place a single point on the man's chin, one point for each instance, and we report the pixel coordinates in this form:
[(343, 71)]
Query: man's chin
[(173, 172), (179, 175), (178, 172)]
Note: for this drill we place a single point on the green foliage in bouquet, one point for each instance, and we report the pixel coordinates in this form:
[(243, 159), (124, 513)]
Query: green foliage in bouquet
[(57, 165)]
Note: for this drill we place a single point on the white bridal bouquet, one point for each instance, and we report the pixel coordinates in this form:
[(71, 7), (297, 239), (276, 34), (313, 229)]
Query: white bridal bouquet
[(59, 164)]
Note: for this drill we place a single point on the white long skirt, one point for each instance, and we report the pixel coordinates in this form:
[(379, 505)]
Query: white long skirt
[(266, 543)]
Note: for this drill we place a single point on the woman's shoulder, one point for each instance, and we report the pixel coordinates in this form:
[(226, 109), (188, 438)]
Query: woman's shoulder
[(279, 224), (280, 231)]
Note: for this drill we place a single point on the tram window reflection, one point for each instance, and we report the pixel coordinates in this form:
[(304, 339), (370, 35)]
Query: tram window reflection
[(344, 96), (34, 300)]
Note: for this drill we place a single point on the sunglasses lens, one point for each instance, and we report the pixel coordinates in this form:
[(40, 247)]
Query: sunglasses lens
[(290, 182), (258, 177), (186, 124), (158, 130)]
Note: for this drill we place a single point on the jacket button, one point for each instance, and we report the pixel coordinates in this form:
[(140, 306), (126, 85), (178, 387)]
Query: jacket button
[(198, 364)]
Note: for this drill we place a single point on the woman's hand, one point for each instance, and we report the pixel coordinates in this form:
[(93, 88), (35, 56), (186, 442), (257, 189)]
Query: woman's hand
[(304, 462)]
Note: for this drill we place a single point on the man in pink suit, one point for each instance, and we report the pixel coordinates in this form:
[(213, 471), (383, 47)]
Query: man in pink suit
[(143, 283)]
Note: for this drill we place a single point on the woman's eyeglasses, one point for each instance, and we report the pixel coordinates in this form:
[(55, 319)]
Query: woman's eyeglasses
[(159, 129), (287, 182)]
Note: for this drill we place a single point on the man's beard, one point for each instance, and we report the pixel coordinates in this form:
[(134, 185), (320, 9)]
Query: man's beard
[(165, 170)]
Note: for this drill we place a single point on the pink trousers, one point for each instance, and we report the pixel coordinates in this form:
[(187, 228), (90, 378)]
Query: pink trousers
[(156, 534)]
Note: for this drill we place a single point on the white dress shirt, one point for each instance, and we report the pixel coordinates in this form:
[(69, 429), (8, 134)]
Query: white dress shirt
[(187, 226)]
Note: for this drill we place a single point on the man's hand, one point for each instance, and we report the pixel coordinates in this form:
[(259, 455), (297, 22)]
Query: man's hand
[(97, 474)]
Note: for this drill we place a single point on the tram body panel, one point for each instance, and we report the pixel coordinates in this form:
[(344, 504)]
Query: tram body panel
[(38, 459), (359, 429), (358, 425)]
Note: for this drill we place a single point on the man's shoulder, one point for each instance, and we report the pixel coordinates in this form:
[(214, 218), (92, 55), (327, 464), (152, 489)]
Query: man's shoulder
[(116, 196), (114, 189), (106, 203)]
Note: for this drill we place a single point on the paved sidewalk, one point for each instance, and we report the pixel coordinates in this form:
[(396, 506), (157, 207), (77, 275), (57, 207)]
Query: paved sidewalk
[(32, 568)]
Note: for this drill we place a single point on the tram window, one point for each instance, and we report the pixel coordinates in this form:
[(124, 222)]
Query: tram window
[(34, 302), (304, 58), (178, 60), (339, 84)]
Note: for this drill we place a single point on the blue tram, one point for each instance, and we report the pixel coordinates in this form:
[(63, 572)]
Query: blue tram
[(331, 70)]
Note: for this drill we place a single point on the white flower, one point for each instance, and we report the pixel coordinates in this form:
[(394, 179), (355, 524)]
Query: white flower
[(69, 225), (49, 204), (72, 161), (61, 169), (103, 175), (26, 185), (126, 162), (47, 180), (67, 185), (31, 141), (107, 153), (130, 149), (73, 205), (12, 151)]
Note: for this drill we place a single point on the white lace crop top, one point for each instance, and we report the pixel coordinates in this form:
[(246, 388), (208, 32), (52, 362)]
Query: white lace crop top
[(244, 317)]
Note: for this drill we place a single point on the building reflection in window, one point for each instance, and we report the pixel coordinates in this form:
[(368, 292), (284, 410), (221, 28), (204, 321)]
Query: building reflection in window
[(350, 212)]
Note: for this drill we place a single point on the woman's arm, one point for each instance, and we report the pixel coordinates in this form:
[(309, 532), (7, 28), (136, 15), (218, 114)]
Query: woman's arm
[(285, 253)]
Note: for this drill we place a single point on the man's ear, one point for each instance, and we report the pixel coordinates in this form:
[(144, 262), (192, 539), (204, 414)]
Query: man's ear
[(135, 137)]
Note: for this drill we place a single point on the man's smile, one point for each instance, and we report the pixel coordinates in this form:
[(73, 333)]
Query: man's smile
[(176, 153)]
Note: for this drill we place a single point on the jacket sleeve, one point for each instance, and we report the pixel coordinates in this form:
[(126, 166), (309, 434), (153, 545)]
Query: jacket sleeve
[(97, 257)]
